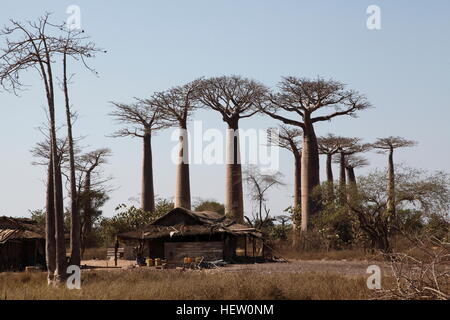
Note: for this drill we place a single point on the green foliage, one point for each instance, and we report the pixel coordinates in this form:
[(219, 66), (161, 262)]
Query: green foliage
[(130, 219), (335, 225), (209, 205), (38, 216)]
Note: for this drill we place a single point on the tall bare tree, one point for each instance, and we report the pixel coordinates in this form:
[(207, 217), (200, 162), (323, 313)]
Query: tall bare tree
[(235, 98), (87, 164), (351, 163), (388, 145), (176, 105), (77, 47), (37, 46), (304, 98), (259, 184), (143, 119)]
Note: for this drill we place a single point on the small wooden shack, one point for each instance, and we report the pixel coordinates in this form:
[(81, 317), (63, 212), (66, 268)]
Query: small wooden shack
[(22, 244), (183, 233)]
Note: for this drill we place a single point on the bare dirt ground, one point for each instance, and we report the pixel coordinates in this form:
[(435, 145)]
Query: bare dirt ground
[(346, 268)]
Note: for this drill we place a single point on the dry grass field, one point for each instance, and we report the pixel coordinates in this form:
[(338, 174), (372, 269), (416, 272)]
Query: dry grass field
[(237, 282)]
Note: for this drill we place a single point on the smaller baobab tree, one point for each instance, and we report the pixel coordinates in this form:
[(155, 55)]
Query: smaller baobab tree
[(142, 118), (235, 98), (176, 105), (88, 165), (347, 148), (258, 185), (353, 162), (388, 145), (289, 138), (329, 145)]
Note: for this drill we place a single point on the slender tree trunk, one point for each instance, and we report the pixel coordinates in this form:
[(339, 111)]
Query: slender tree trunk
[(61, 262), (391, 185), (330, 178), (234, 202), (297, 181), (60, 271), (342, 179), (147, 192), (87, 208), (297, 195), (183, 189), (50, 244), (75, 232), (310, 172)]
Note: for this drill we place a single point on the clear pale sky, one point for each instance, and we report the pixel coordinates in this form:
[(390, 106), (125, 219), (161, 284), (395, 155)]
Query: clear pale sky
[(404, 69)]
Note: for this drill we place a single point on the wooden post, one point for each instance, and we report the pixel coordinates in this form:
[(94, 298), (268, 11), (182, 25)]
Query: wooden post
[(116, 249), (245, 246), (254, 248)]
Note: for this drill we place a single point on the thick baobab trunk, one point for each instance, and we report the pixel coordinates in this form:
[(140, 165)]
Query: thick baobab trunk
[(234, 202), (351, 176), (147, 192), (61, 263), (310, 173), (75, 232), (183, 188), (330, 178), (50, 244), (391, 184), (342, 179)]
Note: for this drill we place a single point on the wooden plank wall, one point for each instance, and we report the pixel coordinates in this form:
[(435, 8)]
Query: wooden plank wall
[(175, 252)]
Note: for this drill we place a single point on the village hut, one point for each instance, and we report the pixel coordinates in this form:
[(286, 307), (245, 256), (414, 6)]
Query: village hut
[(182, 233), (22, 244)]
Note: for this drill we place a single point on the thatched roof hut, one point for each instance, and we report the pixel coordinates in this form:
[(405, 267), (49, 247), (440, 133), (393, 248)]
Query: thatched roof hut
[(184, 233), (22, 243)]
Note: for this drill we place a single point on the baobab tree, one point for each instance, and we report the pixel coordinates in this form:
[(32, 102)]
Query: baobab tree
[(388, 145), (235, 98), (304, 98), (87, 164), (351, 163), (143, 119), (348, 147), (289, 138), (176, 105), (329, 145), (36, 48)]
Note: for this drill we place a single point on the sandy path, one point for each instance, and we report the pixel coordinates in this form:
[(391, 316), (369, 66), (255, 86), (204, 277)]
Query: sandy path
[(348, 268)]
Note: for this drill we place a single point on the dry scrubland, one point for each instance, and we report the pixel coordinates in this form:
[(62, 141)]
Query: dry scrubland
[(145, 284)]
